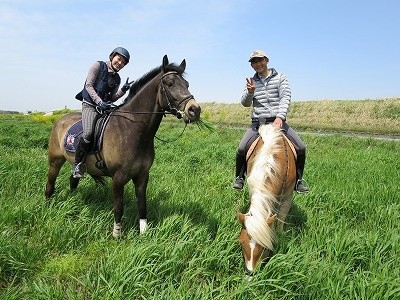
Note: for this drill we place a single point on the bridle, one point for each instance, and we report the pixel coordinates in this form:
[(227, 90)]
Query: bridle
[(163, 94), (169, 99), (162, 91)]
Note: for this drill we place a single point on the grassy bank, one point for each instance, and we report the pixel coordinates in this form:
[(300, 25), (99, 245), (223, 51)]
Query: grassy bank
[(366, 116)]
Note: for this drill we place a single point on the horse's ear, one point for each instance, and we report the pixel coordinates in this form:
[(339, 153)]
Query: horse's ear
[(165, 61), (182, 66), (271, 219), (241, 217)]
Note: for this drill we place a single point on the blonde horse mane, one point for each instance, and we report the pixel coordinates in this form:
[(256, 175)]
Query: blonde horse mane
[(260, 178)]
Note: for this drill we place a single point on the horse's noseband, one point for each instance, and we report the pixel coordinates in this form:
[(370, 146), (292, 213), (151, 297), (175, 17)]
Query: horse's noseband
[(172, 107)]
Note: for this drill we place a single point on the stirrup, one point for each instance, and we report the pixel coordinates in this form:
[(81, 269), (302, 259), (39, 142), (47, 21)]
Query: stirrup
[(77, 171)]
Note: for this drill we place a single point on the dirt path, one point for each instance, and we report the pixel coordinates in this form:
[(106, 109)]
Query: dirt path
[(386, 137)]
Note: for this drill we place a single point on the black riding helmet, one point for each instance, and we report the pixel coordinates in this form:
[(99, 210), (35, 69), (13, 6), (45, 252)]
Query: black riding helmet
[(120, 51)]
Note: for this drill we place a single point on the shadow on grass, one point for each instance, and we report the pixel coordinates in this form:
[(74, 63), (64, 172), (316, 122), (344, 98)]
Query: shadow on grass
[(160, 208), (296, 219)]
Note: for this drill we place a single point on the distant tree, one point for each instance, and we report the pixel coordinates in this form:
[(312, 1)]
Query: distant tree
[(9, 112)]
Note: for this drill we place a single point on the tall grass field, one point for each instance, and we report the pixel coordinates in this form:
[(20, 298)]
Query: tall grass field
[(342, 240)]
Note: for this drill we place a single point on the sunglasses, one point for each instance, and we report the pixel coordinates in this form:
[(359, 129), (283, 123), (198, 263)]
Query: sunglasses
[(257, 60)]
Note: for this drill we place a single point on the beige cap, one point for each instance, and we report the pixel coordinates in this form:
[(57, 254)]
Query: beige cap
[(257, 53)]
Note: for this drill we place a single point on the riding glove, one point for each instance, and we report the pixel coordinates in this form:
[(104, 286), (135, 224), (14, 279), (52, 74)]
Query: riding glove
[(104, 105), (127, 85)]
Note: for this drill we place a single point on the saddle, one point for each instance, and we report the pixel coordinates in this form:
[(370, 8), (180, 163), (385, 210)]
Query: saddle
[(254, 141), (73, 134)]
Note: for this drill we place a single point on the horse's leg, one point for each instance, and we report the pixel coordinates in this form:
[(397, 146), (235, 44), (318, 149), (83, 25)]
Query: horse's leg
[(284, 210), (55, 164), (118, 193), (140, 190), (73, 182)]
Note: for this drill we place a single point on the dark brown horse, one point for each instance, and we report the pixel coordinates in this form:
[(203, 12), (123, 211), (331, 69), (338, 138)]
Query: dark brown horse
[(128, 139), (271, 178)]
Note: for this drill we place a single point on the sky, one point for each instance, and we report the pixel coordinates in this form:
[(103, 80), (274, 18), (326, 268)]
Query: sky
[(328, 49)]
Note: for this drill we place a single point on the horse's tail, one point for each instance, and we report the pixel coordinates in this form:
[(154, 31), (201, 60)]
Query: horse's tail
[(260, 178)]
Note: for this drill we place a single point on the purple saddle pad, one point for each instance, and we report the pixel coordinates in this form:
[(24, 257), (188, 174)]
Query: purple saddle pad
[(74, 133), (72, 136)]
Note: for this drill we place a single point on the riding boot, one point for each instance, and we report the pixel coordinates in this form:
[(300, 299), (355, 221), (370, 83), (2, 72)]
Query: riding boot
[(240, 170), (80, 154), (301, 185)]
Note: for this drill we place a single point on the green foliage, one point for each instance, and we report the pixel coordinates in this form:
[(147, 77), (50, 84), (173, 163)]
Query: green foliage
[(341, 240), (51, 119), (391, 111), (23, 132), (203, 124), (62, 111)]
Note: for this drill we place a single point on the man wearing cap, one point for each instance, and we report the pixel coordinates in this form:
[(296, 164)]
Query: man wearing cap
[(269, 93)]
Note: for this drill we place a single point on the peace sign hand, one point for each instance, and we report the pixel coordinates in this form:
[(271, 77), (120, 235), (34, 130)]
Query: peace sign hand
[(250, 85), (127, 85)]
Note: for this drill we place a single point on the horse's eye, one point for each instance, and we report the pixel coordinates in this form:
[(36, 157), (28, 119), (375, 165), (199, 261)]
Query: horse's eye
[(169, 82)]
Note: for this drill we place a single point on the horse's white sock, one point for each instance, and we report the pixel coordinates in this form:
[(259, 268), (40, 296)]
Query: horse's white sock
[(142, 225), (117, 230)]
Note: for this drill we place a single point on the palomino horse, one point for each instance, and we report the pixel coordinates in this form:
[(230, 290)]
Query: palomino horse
[(128, 139), (271, 171)]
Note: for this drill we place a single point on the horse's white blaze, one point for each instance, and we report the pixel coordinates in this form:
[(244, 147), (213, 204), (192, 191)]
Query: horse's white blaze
[(249, 263), (117, 230), (142, 225)]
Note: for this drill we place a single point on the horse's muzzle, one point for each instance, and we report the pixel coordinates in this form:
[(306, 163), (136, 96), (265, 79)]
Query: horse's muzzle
[(192, 111), (249, 274)]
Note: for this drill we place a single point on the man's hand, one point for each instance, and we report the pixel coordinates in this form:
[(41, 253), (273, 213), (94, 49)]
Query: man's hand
[(127, 85), (250, 85), (278, 123)]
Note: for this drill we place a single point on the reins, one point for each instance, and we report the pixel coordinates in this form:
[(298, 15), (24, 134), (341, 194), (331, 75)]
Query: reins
[(287, 166), (172, 140)]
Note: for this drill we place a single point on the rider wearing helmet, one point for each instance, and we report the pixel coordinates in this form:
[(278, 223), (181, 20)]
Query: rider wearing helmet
[(100, 90)]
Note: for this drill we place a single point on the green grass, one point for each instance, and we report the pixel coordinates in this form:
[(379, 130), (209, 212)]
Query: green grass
[(341, 242)]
